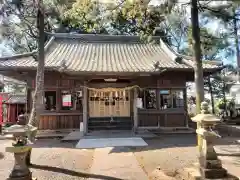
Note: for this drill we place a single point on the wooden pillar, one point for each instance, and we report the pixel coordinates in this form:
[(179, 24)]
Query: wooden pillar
[(135, 109), (185, 107), (29, 100), (58, 100), (85, 108)]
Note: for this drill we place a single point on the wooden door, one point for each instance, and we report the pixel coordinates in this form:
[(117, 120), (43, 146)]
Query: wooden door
[(109, 103)]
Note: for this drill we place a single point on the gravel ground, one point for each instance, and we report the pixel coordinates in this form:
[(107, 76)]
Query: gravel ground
[(171, 153), (168, 153), (52, 160)]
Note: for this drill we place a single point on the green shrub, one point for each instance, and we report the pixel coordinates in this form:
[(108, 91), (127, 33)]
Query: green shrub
[(7, 124), (220, 104)]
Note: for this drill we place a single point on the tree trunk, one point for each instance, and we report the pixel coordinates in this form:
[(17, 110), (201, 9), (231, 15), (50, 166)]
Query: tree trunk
[(211, 94), (224, 93), (38, 98), (198, 70), (236, 45)]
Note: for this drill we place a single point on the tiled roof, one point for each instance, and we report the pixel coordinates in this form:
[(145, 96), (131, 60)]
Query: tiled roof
[(8, 80), (16, 99), (103, 53)]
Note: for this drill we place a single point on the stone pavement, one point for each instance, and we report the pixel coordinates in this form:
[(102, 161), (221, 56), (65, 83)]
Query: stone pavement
[(117, 162)]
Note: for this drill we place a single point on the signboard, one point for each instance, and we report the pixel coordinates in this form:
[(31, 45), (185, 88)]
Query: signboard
[(164, 92), (67, 100)]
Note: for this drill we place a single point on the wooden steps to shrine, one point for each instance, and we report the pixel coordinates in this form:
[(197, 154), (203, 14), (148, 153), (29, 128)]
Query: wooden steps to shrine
[(110, 123)]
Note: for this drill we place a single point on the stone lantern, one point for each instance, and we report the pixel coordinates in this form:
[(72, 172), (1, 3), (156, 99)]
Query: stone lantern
[(235, 94), (20, 148), (210, 166), (235, 89)]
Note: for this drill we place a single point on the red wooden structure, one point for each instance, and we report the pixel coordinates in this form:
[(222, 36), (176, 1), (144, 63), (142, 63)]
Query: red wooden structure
[(14, 104), (1, 114)]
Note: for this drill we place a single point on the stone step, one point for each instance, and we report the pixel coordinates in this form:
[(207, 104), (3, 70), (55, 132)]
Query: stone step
[(108, 123), (110, 127)]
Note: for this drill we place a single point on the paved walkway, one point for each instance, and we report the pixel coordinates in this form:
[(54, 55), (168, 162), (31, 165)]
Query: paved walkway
[(117, 162)]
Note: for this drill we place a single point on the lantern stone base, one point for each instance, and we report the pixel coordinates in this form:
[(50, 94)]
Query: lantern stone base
[(20, 170), (210, 164), (213, 173), (211, 167), (194, 173), (20, 177)]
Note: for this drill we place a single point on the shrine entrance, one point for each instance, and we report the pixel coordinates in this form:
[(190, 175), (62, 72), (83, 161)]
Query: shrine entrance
[(109, 103)]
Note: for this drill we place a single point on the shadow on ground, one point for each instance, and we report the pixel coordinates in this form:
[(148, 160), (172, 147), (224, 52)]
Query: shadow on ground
[(164, 142), (54, 143), (1, 155), (72, 173), (161, 142)]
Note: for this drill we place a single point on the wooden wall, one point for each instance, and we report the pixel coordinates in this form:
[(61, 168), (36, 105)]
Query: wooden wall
[(167, 117), (68, 120), (60, 121), (162, 118)]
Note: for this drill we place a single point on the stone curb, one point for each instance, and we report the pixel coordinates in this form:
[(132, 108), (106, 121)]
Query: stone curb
[(37, 137), (229, 150), (230, 130)]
